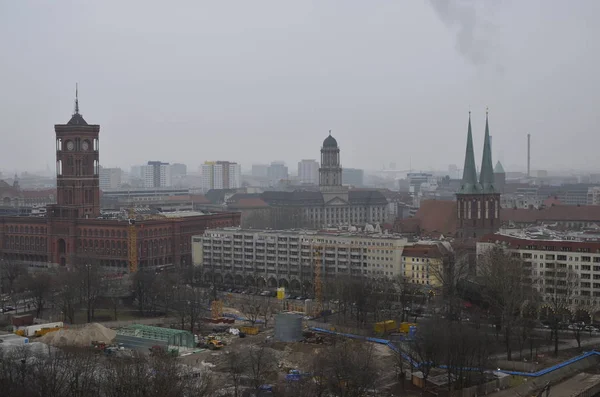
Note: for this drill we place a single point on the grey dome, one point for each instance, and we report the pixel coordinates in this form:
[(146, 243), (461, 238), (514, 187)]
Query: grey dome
[(330, 142)]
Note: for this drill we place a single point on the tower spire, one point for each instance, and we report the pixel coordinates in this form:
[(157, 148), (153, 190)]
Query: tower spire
[(76, 98), (486, 178), (469, 183)]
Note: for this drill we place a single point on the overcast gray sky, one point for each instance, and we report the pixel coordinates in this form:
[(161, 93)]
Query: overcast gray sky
[(255, 80)]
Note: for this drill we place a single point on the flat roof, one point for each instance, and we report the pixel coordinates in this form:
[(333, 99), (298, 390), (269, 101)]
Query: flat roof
[(182, 214), (309, 232)]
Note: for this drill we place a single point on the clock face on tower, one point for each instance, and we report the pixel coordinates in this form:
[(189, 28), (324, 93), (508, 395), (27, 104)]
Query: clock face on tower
[(70, 145), (85, 145)]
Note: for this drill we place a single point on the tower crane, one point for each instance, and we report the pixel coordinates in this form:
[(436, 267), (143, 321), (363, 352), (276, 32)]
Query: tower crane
[(132, 234), (132, 243)]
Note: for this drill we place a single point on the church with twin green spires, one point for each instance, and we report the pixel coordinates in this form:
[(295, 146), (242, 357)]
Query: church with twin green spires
[(478, 200)]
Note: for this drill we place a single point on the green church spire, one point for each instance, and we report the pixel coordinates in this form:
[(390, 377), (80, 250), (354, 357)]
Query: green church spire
[(486, 178), (469, 183)]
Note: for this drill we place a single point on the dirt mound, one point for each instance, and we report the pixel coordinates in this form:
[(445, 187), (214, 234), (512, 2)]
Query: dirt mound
[(79, 336)]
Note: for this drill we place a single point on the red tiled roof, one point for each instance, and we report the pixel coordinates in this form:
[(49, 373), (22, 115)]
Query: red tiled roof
[(572, 213), (252, 202), (407, 225), (437, 216), (199, 199), (422, 251), (550, 201)]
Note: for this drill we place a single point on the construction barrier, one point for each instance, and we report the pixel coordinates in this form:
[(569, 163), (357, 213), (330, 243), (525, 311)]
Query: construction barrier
[(385, 326), (249, 330)]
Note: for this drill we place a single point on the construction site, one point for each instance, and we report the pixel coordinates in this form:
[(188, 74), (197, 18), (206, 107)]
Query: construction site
[(305, 341)]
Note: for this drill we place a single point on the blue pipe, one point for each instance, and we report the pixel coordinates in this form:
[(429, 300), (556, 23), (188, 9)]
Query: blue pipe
[(416, 364)]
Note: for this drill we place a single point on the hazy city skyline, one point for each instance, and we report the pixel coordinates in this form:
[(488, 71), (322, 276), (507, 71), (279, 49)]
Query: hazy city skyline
[(266, 80)]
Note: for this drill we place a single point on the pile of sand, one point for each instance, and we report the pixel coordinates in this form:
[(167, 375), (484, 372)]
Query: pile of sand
[(79, 336)]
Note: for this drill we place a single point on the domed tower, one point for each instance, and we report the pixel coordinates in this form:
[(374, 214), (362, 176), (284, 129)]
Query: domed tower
[(330, 173)]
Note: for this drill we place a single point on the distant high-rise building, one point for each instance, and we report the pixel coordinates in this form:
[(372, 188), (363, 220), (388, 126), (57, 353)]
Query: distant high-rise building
[(136, 171), (593, 195), (499, 177), (308, 172), (353, 176), (221, 175), (453, 171), (110, 178), (277, 171), (178, 170), (260, 170), (156, 174)]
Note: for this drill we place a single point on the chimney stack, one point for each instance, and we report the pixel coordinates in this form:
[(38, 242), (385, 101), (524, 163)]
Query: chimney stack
[(528, 155)]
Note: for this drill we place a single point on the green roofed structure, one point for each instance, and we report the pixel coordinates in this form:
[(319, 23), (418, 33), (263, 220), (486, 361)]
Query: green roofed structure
[(156, 335)]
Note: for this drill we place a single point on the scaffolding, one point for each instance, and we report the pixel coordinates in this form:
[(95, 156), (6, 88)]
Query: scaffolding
[(172, 337)]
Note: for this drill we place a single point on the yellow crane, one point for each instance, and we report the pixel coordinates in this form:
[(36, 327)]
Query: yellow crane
[(132, 243), (318, 281), (132, 234)]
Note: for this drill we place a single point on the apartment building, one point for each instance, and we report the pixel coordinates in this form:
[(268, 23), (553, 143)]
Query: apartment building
[(271, 258), (110, 178), (156, 174), (221, 175), (308, 172), (548, 262), (423, 263)]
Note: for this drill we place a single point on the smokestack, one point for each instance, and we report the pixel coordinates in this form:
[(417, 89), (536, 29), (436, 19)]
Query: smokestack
[(528, 155)]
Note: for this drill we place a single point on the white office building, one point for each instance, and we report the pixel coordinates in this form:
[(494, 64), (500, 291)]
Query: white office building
[(110, 178), (308, 172), (221, 175), (286, 258), (156, 175)]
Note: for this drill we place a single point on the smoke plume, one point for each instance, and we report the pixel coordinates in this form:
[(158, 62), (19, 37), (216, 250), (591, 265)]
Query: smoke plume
[(472, 30)]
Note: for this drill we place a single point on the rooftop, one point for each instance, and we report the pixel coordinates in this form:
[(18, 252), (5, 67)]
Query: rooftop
[(308, 232), (549, 244), (182, 214)]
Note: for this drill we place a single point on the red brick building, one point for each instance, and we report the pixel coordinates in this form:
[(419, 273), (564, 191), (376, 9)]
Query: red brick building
[(73, 229)]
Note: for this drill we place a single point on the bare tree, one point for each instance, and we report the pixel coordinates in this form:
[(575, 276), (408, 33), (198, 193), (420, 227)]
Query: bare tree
[(40, 287), (67, 293), (268, 309), (252, 307), (91, 282), (429, 346), (455, 269), (10, 271), (236, 366), (144, 282), (559, 289), (501, 278), (350, 368), (191, 303), (260, 362)]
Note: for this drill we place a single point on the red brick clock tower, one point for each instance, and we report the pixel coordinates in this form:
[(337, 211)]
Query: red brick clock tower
[(77, 168)]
